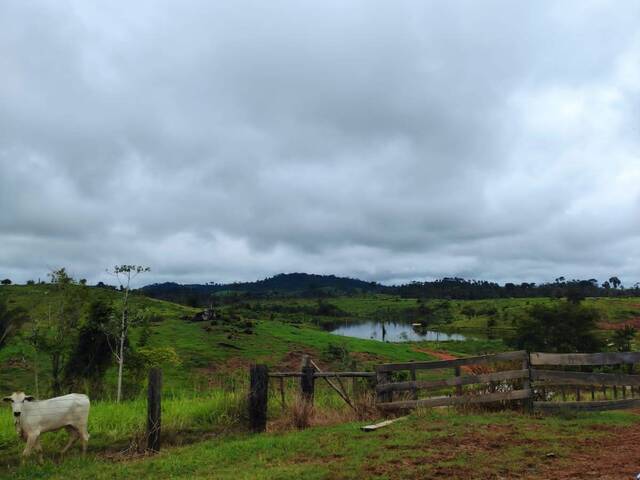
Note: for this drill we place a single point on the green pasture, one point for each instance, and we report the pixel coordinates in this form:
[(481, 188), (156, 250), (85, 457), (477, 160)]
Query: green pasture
[(427, 445)]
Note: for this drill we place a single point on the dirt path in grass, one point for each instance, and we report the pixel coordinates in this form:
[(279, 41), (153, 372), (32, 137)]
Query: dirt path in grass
[(436, 353), (443, 356), (612, 456)]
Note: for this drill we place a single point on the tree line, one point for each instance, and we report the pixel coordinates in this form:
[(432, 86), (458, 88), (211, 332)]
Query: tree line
[(461, 289)]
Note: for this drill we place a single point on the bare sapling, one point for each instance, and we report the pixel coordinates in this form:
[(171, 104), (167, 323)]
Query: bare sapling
[(125, 274)]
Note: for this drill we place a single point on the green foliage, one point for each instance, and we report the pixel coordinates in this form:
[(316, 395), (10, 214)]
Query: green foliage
[(145, 328), (10, 320), (623, 338), (159, 356), (563, 327), (336, 353), (92, 354), (329, 309), (64, 313)]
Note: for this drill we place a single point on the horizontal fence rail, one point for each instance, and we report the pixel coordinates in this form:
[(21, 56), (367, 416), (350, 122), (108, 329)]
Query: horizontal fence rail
[(560, 377), (462, 400), (324, 374), (592, 406), (455, 381), (579, 359)]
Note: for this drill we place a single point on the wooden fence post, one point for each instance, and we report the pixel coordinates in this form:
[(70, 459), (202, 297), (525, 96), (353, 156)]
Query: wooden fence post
[(457, 372), (282, 401), (307, 382), (258, 397), (526, 384), (382, 378), (414, 390), (154, 410)]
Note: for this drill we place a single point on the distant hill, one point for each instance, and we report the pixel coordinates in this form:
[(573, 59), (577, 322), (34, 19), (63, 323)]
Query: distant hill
[(318, 286), (284, 284)]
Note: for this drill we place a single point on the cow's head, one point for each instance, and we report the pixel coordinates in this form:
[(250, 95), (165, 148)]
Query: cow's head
[(17, 399)]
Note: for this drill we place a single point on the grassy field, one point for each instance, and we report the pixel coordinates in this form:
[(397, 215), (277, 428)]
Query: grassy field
[(212, 354), (204, 428), (430, 444)]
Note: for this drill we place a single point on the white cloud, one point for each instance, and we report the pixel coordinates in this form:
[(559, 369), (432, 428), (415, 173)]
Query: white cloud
[(391, 141)]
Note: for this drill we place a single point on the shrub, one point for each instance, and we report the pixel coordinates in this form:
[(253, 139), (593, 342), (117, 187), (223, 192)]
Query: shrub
[(562, 327), (301, 413)]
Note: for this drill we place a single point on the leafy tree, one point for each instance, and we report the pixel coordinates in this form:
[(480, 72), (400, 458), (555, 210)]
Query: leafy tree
[(124, 274), (64, 312), (575, 295), (563, 327), (10, 320), (615, 281), (6, 281), (91, 355)]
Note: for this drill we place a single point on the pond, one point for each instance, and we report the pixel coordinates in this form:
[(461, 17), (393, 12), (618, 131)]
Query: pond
[(391, 332)]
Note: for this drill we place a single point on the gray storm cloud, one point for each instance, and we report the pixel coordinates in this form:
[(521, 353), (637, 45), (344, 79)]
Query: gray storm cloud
[(387, 140)]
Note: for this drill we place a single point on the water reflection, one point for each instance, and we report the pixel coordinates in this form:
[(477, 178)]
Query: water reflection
[(391, 331)]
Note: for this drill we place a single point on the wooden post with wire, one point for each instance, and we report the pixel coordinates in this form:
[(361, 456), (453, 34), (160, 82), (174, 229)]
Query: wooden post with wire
[(258, 397), (307, 380)]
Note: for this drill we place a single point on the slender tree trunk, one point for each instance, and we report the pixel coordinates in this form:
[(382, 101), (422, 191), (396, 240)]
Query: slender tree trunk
[(35, 373), (55, 373), (121, 357), (120, 367), (123, 334)]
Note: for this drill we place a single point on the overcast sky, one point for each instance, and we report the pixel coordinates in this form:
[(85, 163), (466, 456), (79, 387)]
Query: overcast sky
[(386, 140)]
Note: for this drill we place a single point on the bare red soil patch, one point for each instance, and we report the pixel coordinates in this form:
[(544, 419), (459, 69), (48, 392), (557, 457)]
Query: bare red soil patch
[(292, 361), (607, 457), (634, 322)]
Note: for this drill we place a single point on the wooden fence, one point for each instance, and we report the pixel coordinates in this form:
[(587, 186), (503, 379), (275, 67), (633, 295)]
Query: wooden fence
[(386, 388), (535, 386), (624, 387), (308, 374)]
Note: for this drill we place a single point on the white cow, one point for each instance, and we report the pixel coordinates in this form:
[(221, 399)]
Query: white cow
[(31, 418)]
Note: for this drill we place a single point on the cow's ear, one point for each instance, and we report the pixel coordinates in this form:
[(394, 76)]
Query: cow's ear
[(29, 398), (7, 399)]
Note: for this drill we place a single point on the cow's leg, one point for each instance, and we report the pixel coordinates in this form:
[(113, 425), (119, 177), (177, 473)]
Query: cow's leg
[(73, 437), (32, 440), (84, 437), (38, 448)]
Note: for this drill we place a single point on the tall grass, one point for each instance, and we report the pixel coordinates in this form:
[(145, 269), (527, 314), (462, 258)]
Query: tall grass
[(118, 429)]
